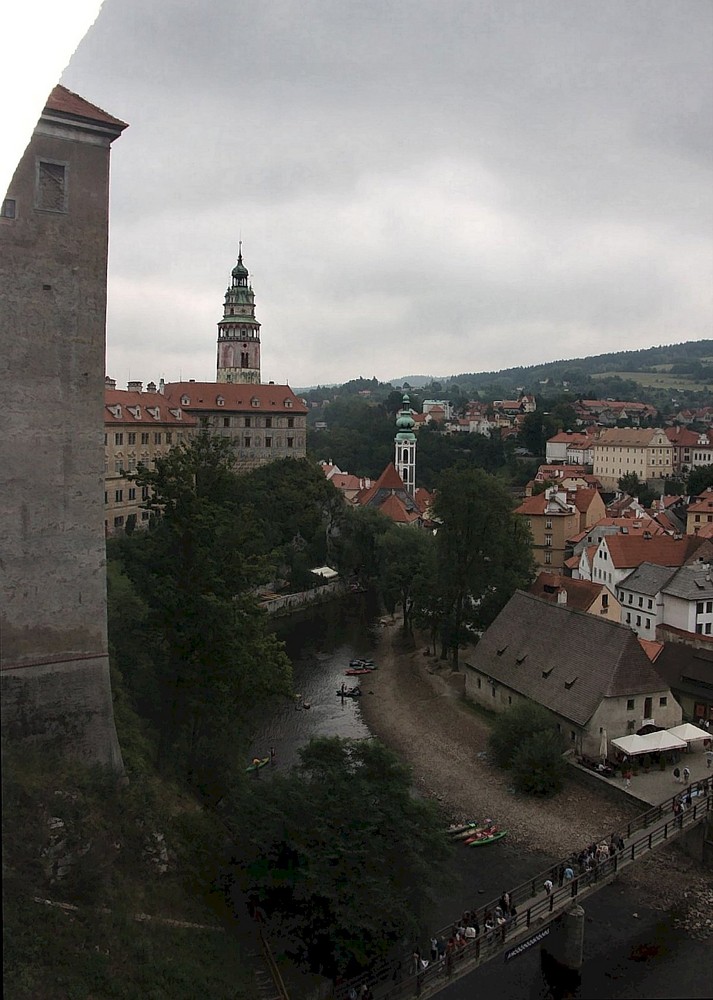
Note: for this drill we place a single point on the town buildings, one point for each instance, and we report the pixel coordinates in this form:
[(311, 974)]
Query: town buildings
[(622, 451), (555, 516), (239, 331), (54, 230)]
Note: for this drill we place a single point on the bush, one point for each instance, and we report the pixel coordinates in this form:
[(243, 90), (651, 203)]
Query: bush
[(538, 767), (514, 727)]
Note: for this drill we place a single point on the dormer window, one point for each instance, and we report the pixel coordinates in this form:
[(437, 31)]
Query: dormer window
[(185, 400), (220, 400), (254, 401), (288, 404)]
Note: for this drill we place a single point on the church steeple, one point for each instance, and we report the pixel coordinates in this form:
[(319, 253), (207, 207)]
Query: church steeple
[(239, 331), (405, 446)]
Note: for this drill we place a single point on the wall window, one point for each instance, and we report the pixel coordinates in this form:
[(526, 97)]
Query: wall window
[(709, 607), (145, 437), (548, 558), (145, 515), (478, 682), (605, 600), (630, 705), (8, 208), (638, 620), (628, 618), (548, 539), (144, 492), (226, 421), (268, 442), (118, 521), (290, 442), (290, 421), (631, 598), (106, 497), (699, 628), (650, 604), (641, 602), (118, 496), (247, 441), (157, 437), (51, 193), (118, 439), (169, 437), (663, 702), (268, 421), (132, 437), (548, 522), (248, 421), (132, 493), (572, 736)]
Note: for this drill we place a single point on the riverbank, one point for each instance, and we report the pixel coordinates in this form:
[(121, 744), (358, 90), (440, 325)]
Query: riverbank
[(415, 711)]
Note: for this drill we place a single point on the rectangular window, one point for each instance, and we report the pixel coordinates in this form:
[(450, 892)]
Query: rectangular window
[(144, 492), (145, 437), (118, 496), (268, 421), (548, 522), (247, 442), (699, 608), (157, 437), (548, 539), (51, 194), (8, 209), (709, 607), (605, 600), (145, 515), (132, 437), (630, 705), (638, 619), (572, 736), (226, 421), (651, 604), (707, 629), (268, 442), (631, 598), (169, 437), (699, 628), (132, 493), (248, 421), (106, 497), (478, 681), (118, 466), (648, 623), (641, 602), (118, 521), (548, 558), (290, 442), (118, 439), (663, 701), (290, 421)]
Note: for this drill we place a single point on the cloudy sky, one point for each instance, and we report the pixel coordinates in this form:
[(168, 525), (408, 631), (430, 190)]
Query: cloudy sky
[(421, 186)]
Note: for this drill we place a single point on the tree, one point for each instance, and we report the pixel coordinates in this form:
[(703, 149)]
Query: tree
[(537, 427), (213, 656), (409, 569), (525, 740), (700, 479), (484, 551), (631, 484), (340, 854)]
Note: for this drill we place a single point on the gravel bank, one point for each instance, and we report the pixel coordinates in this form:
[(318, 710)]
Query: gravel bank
[(414, 711)]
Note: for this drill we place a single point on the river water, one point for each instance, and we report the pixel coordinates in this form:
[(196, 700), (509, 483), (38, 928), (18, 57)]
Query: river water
[(631, 950)]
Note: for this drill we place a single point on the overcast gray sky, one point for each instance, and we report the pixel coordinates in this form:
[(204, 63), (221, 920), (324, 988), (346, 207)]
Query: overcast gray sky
[(421, 186)]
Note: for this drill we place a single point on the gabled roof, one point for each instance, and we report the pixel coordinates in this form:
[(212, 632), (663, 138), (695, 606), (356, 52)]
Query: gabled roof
[(628, 437), (237, 397), (652, 648), (648, 578), (564, 659), (703, 502), (541, 504), (67, 103), (581, 594), (693, 582), (681, 665), (394, 507), (632, 550), (583, 499)]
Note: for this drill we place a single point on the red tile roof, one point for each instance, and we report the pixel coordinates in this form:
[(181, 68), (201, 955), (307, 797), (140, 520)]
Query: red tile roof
[(632, 550), (237, 397), (394, 508), (651, 648), (581, 594), (69, 103), (124, 407)]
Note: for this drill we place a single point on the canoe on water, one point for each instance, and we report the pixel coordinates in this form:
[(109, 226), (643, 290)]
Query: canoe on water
[(258, 763), (485, 838)]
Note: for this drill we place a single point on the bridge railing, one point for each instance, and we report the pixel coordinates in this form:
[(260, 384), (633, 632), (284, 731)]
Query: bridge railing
[(397, 979)]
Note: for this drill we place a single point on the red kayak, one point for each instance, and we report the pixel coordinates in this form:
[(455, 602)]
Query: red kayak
[(358, 671)]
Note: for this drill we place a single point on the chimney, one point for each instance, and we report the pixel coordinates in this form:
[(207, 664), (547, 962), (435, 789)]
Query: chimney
[(109, 383), (134, 386), (161, 385), (562, 596), (151, 387)]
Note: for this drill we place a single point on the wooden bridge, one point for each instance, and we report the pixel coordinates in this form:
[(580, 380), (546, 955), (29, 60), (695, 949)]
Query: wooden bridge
[(535, 909)]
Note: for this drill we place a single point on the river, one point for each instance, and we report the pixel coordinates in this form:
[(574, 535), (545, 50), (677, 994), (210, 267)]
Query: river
[(631, 950)]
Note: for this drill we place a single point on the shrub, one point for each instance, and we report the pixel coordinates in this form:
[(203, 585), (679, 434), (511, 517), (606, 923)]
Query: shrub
[(538, 767), (514, 727)]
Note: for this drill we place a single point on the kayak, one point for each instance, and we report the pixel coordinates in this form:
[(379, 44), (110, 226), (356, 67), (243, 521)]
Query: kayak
[(354, 692), (464, 831), (486, 839), (360, 664), (257, 764), (358, 671)]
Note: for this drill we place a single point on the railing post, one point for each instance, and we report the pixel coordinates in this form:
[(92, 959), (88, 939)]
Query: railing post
[(665, 831), (650, 840), (528, 917)]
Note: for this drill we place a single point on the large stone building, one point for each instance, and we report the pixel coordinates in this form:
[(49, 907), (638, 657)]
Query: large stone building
[(263, 422), (554, 517), (623, 450), (54, 229), (139, 427)]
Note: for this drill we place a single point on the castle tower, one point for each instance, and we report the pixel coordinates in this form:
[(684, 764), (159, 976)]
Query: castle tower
[(405, 446), (239, 331)]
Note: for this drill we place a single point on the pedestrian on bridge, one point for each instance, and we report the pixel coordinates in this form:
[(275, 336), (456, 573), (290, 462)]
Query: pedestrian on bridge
[(686, 775), (548, 886), (709, 759)]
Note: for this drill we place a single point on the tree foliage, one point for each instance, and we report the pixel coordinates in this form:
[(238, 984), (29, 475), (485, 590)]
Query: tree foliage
[(525, 740), (341, 853), (484, 551), (700, 479), (409, 569)]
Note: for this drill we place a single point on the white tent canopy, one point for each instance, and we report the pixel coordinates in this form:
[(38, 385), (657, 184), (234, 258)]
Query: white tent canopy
[(689, 733), (634, 745)]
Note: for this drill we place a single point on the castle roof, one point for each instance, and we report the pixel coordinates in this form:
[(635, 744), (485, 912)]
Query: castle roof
[(237, 397)]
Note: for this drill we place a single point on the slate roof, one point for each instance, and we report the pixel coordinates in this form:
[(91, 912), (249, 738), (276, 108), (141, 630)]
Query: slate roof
[(692, 582), (648, 578), (686, 667), (564, 659)]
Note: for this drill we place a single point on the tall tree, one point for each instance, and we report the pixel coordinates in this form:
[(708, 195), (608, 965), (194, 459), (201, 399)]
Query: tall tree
[(340, 853), (409, 569), (484, 552)]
